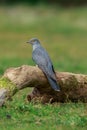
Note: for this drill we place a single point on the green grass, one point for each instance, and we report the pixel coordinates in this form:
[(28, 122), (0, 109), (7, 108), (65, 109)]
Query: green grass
[(63, 32), (20, 115)]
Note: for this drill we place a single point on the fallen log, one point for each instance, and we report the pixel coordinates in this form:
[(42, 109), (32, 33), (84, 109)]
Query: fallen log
[(73, 86)]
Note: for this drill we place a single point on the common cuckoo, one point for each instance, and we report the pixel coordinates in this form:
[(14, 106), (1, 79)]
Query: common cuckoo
[(42, 59)]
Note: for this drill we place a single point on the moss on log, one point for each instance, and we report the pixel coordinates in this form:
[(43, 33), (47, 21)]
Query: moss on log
[(7, 90)]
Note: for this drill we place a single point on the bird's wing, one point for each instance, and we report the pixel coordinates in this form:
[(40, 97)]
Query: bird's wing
[(42, 59)]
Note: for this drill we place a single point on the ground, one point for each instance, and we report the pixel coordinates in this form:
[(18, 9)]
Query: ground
[(63, 32)]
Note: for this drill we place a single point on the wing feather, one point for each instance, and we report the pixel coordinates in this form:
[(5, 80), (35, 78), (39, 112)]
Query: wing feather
[(42, 59)]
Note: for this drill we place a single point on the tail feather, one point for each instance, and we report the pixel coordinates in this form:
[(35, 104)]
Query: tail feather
[(53, 84)]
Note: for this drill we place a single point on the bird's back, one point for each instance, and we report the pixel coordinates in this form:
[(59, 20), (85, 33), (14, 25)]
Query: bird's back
[(40, 56), (42, 59)]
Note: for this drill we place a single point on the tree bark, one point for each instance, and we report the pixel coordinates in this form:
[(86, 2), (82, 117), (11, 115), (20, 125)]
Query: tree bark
[(73, 86)]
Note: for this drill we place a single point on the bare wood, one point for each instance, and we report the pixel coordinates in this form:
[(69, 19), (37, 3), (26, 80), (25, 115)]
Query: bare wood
[(73, 86)]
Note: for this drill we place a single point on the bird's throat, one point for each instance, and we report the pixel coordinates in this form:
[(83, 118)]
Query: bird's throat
[(35, 46)]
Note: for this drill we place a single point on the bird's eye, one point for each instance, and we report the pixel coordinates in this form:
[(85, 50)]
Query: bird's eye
[(33, 40)]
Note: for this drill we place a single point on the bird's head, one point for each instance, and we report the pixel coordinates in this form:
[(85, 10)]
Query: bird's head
[(33, 41)]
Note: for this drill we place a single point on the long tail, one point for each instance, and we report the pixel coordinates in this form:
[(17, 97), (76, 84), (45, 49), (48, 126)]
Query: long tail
[(53, 84)]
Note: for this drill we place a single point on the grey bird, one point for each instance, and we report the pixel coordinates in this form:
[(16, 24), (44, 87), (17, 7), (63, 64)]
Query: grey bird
[(42, 59)]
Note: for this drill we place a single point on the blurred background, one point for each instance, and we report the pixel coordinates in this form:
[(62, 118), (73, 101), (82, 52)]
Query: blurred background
[(60, 25)]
